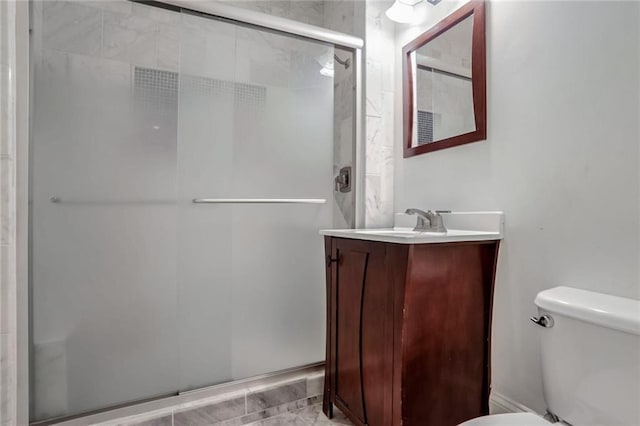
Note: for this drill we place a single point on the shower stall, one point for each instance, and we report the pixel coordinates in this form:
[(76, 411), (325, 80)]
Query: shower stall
[(181, 165)]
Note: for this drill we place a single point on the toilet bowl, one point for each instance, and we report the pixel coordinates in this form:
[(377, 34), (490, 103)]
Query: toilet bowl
[(590, 345), (511, 419)]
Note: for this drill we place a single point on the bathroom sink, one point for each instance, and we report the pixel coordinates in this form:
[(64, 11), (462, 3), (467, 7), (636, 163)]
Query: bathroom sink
[(461, 226), (409, 236)]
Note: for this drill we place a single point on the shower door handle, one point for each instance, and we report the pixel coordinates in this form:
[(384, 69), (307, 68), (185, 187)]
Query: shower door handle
[(259, 201)]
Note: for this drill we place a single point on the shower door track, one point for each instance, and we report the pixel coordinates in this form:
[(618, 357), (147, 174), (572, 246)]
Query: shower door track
[(263, 20)]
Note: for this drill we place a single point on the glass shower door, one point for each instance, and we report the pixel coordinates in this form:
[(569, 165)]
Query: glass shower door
[(205, 165), (251, 280), (283, 149), (103, 210), (138, 292)]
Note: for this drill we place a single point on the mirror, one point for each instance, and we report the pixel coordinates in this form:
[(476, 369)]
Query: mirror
[(444, 83)]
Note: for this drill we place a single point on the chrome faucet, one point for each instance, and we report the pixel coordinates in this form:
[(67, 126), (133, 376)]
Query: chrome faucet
[(428, 221)]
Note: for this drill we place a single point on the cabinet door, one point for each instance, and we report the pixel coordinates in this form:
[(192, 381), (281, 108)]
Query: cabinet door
[(445, 334), (361, 330)]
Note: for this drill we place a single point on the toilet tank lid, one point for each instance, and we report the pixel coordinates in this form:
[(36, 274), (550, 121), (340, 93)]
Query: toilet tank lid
[(618, 313)]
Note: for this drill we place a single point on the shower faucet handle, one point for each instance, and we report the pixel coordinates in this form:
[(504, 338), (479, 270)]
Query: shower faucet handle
[(343, 180)]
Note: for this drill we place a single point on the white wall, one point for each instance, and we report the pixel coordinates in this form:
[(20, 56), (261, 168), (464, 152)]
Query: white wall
[(561, 159)]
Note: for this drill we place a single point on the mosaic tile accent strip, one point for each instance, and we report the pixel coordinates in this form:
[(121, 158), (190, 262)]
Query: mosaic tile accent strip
[(157, 89), (425, 127)]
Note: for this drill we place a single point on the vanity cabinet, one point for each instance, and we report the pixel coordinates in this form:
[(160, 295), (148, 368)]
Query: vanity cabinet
[(408, 329)]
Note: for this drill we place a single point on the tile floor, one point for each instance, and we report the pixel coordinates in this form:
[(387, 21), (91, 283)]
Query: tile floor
[(308, 416)]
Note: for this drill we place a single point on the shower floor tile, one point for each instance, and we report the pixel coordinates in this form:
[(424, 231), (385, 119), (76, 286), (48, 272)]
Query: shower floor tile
[(308, 416)]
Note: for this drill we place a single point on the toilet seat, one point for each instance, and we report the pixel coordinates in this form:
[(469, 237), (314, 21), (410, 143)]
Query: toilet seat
[(511, 419)]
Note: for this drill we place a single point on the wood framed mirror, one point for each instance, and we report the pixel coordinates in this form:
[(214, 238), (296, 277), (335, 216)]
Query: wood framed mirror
[(444, 83)]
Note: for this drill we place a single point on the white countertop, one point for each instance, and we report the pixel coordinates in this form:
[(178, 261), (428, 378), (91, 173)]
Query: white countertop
[(461, 226)]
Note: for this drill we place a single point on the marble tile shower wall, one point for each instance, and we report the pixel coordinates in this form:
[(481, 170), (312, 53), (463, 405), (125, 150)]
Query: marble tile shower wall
[(379, 54), (307, 11), (346, 16), (342, 16), (136, 34), (118, 31), (8, 374), (247, 406), (343, 120)]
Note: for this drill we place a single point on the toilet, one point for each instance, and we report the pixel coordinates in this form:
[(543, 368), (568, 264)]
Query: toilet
[(590, 345)]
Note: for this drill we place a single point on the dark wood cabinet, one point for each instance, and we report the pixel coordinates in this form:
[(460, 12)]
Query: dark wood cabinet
[(408, 329)]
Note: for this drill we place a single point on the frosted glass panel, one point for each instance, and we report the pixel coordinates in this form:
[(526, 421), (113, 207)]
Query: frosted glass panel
[(251, 280), (284, 149), (205, 164), (104, 216)]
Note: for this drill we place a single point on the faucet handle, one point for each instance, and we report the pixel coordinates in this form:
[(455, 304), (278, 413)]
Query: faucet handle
[(423, 222), (438, 226)]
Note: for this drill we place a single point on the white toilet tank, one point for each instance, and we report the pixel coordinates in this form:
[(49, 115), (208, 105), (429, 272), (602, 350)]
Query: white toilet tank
[(591, 357)]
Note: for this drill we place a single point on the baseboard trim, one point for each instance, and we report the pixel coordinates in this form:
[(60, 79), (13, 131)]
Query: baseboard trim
[(499, 403)]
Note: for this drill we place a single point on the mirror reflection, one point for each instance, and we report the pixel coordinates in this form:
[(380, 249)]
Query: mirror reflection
[(443, 90)]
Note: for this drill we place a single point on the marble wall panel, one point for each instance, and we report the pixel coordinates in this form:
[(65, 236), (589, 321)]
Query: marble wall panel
[(296, 398), (212, 413), (72, 26), (308, 11), (8, 213), (379, 48)]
